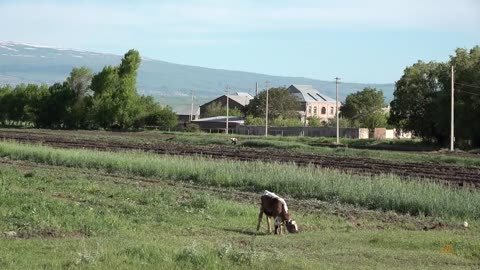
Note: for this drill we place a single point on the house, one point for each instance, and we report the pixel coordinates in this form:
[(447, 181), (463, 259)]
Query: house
[(314, 103), (184, 111), (237, 100), (218, 124)]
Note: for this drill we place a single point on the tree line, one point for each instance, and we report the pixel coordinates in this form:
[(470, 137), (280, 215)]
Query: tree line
[(422, 99), (85, 100), (109, 99)]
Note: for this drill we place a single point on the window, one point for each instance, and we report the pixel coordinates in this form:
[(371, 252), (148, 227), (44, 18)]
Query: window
[(331, 110), (315, 110), (324, 110), (310, 110)]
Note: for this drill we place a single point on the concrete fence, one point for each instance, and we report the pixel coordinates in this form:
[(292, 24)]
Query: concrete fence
[(354, 133), (383, 133)]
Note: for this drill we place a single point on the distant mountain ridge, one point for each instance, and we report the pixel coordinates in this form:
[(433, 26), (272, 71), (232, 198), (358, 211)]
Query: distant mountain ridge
[(24, 63)]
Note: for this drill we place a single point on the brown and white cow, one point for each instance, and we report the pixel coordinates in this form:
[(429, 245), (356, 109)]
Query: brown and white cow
[(274, 206)]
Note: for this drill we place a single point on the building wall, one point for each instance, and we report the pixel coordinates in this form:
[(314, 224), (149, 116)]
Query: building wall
[(315, 109), (383, 133), (186, 118)]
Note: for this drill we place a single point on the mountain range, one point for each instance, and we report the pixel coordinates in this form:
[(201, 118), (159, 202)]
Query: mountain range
[(24, 63)]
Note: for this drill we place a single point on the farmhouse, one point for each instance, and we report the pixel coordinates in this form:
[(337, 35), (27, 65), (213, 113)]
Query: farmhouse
[(314, 103), (219, 123), (237, 100), (183, 112)]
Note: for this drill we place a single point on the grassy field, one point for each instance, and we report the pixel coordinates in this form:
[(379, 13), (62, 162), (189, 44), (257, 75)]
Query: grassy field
[(386, 192), (72, 218), (302, 145)]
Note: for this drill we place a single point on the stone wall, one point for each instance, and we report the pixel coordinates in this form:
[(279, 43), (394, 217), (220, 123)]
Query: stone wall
[(355, 133)]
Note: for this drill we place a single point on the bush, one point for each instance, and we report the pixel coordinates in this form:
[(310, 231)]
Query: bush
[(192, 128)]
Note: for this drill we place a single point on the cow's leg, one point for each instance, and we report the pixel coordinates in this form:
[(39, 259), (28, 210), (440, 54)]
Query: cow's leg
[(260, 216), (268, 224), (277, 225)]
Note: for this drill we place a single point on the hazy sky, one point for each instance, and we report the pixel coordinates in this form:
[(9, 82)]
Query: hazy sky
[(359, 41)]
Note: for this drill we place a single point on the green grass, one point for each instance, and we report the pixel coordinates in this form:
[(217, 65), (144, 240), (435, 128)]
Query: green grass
[(387, 192), (81, 219)]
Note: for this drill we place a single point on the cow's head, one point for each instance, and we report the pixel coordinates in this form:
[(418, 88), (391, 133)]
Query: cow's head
[(291, 226)]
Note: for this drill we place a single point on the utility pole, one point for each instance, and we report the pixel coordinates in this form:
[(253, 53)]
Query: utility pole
[(191, 108), (266, 111), (452, 138), (226, 94), (336, 110)]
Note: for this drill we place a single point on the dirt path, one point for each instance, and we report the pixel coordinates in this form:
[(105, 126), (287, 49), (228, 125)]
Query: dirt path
[(454, 175)]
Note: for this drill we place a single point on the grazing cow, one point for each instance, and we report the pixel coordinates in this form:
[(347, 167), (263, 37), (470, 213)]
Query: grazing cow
[(276, 207), (234, 140)]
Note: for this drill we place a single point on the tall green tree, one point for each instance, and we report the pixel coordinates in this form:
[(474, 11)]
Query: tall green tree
[(55, 106), (280, 103), (365, 108), (467, 95), (104, 107), (79, 82), (417, 102), (162, 117), (5, 95), (115, 100), (422, 99)]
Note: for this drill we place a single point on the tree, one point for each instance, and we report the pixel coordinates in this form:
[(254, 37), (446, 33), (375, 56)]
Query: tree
[(5, 95), (314, 121), (286, 122), (107, 99), (250, 120), (280, 103), (115, 101), (216, 109), (80, 80), (467, 96), (163, 117), (376, 119), (342, 122), (365, 108), (55, 105), (104, 109), (422, 99), (416, 106)]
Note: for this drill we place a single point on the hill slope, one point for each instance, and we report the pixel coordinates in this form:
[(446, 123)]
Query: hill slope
[(22, 63)]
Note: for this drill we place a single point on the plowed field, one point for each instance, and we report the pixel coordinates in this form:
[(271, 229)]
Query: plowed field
[(450, 174)]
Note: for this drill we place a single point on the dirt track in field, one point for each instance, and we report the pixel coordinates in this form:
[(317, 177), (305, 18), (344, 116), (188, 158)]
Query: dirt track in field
[(454, 175)]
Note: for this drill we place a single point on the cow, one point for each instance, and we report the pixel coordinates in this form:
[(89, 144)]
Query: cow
[(234, 140), (274, 206)]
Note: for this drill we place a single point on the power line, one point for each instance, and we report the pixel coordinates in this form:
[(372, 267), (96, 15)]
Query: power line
[(469, 85), (462, 91)]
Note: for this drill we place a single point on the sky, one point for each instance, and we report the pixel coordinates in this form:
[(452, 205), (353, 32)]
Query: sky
[(368, 41)]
